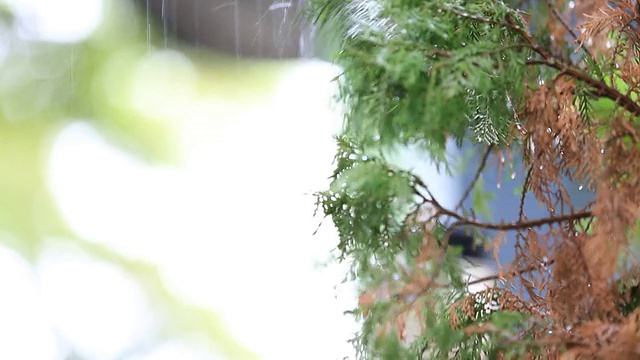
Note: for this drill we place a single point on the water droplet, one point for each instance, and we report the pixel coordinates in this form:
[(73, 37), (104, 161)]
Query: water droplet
[(353, 157), (541, 167), (513, 175), (376, 138), (498, 185), (396, 276), (580, 188), (572, 4), (365, 158)]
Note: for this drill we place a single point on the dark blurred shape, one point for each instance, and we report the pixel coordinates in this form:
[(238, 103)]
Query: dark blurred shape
[(242, 28), (466, 241)]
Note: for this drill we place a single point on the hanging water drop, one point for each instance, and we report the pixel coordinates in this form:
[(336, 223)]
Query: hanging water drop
[(580, 188), (513, 175)]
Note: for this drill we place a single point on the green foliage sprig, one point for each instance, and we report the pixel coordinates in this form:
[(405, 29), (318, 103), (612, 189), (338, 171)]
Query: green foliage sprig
[(417, 71)]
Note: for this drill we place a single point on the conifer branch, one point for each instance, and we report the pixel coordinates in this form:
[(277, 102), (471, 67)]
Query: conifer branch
[(599, 87), (417, 71), (462, 221)]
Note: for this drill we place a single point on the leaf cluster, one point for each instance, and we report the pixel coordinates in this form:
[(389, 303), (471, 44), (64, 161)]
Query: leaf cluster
[(419, 72)]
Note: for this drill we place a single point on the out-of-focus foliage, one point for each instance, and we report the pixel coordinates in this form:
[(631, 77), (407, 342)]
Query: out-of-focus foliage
[(109, 81), (45, 85)]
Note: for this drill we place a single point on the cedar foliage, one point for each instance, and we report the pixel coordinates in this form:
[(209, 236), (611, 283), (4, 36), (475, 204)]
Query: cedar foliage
[(554, 84)]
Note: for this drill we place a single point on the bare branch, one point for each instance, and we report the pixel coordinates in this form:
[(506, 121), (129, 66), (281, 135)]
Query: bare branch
[(483, 164)]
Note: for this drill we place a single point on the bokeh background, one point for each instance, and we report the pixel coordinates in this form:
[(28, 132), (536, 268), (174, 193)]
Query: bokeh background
[(156, 181)]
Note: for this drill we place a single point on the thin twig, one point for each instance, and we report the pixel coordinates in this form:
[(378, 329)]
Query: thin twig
[(515, 225), (525, 186), (558, 16), (483, 164), (513, 272)]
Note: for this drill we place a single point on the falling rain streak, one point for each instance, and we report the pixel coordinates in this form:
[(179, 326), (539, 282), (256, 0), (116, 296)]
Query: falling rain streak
[(165, 28), (148, 28), (259, 29), (236, 24)]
